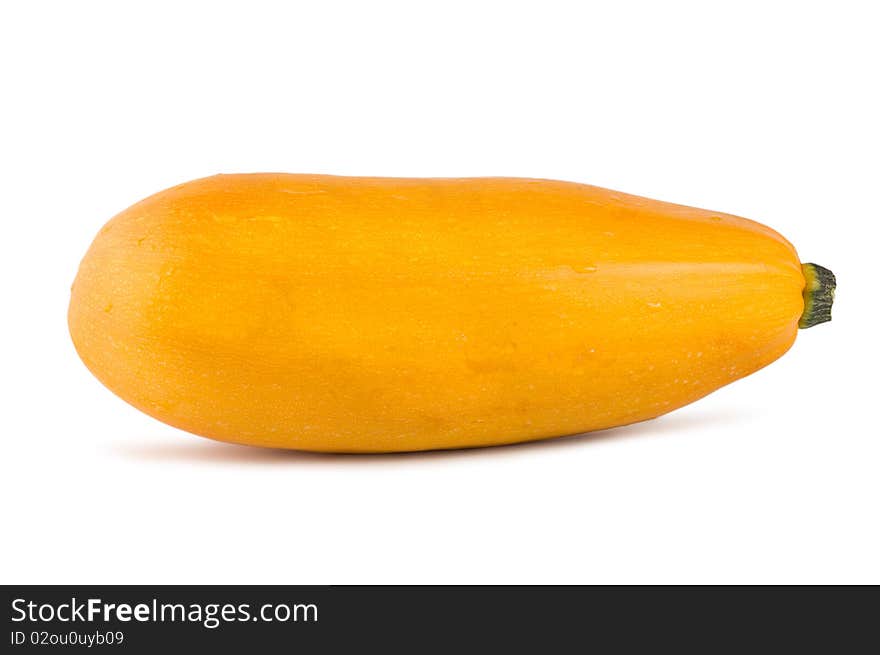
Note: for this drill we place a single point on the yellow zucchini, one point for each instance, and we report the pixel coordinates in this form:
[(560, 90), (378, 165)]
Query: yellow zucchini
[(376, 314)]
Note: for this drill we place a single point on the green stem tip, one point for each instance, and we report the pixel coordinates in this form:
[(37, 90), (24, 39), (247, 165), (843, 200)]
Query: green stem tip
[(818, 295)]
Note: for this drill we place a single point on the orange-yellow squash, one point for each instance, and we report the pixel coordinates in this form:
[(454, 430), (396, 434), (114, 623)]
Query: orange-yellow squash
[(376, 314)]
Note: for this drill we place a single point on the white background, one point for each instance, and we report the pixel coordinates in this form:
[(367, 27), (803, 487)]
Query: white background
[(764, 109)]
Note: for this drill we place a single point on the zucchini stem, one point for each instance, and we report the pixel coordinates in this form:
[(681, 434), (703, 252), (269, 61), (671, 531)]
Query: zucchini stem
[(818, 295)]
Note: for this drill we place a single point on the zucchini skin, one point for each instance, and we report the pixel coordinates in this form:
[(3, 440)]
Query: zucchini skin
[(378, 314)]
